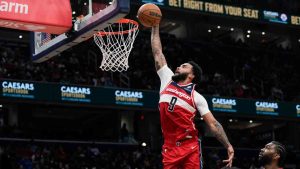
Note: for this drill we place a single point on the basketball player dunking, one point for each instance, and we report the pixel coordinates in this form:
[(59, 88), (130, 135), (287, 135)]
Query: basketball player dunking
[(178, 105)]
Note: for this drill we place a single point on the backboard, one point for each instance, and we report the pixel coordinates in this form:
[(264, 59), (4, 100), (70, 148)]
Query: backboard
[(93, 16)]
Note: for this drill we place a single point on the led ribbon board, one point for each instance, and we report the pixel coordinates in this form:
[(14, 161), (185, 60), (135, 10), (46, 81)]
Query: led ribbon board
[(228, 10), (14, 90)]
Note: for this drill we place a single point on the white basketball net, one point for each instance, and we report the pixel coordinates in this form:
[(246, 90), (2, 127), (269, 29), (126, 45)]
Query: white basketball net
[(116, 47)]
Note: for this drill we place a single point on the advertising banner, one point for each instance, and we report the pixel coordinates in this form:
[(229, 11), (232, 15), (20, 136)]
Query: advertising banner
[(51, 16), (142, 99)]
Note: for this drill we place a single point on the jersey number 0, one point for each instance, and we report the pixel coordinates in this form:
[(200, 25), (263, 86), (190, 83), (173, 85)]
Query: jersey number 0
[(172, 104)]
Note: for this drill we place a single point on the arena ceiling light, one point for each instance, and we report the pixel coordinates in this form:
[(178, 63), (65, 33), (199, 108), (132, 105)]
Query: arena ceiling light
[(230, 120), (144, 144), (219, 27), (263, 33), (299, 40), (209, 30), (250, 121), (249, 31), (73, 12), (248, 36), (231, 29), (20, 36)]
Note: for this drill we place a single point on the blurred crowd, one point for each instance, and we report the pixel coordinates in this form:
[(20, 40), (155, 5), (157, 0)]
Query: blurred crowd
[(32, 155), (50, 155), (230, 68), (74, 156)]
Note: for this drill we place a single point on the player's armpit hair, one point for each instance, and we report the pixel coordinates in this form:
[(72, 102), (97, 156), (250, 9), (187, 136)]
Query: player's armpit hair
[(157, 65), (220, 134), (160, 61)]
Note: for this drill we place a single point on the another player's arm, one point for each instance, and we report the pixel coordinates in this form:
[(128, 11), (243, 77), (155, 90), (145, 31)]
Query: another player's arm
[(218, 131), (159, 57)]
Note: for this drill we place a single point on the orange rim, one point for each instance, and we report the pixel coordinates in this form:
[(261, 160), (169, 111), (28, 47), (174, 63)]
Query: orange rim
[(128, 21)]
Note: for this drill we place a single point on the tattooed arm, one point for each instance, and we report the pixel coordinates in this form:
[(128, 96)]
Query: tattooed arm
[(159, 57), (218, 131)]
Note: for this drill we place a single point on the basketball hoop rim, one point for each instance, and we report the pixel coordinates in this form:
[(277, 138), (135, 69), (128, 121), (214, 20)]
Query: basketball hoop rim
[(123, 20)]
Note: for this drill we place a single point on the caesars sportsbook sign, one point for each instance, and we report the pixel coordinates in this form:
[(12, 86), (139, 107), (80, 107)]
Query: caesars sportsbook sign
[(224, 104), (59, 93), (52, 16), (18, 89), (125, 97), (267, 108), (27, 91), (75, 93)]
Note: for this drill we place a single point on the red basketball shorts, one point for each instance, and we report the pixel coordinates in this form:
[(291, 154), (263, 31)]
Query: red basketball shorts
[(182, 156)]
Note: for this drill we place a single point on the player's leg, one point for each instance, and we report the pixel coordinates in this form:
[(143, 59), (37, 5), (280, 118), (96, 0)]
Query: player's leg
[(193, 161), (170, 160), (171, 166)]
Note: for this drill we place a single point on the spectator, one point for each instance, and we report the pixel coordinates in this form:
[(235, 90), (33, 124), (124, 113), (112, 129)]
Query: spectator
[(241, 71), (124, 133)]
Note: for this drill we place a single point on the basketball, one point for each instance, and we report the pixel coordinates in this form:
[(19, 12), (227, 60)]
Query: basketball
[(149, 15)]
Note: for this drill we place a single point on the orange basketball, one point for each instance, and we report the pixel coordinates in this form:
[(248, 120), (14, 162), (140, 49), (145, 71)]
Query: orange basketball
[(149, 15)]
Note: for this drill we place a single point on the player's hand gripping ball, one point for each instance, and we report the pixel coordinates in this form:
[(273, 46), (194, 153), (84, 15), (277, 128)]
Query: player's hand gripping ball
[(149, 15)]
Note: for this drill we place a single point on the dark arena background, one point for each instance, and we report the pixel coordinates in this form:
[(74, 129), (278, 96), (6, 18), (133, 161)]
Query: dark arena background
[(66, 113)]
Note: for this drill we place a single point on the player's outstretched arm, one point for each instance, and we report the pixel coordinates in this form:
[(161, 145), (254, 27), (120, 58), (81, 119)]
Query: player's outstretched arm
[(218, 131), (159, 57)]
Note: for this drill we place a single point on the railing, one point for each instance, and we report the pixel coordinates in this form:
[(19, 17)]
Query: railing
[(26, 140)]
